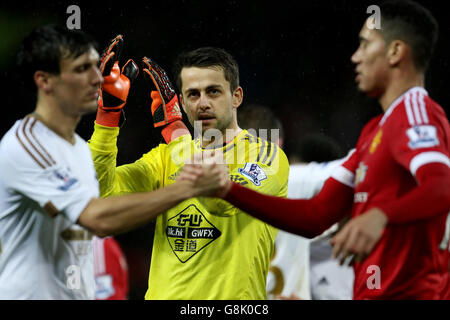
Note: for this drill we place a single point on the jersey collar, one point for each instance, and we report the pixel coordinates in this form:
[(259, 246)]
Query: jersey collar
[(226, 146), (398, 101)]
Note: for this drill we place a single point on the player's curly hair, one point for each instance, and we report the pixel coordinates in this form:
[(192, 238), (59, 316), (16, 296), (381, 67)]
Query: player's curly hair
[(412, 23), (44, 48), (208, 57)]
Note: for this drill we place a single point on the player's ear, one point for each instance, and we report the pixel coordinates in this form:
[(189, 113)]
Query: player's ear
[(396, 52), (238, 96), (43, 81)]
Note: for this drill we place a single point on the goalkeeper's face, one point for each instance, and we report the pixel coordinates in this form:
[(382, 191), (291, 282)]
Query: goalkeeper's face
[(75, 88), (207, 99)]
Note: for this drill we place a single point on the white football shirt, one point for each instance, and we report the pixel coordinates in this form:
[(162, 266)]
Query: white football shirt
[(45, 184), (289, 273)]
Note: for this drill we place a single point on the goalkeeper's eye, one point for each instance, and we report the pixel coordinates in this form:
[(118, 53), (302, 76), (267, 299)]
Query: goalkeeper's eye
[(214, 92), (192, 94)]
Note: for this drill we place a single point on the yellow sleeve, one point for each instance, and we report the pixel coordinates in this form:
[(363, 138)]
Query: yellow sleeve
[(142, 175), (278, 170), (265, 170)]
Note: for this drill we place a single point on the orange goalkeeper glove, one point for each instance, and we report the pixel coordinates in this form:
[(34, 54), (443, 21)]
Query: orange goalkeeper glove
[(116, 85), (165, 106)]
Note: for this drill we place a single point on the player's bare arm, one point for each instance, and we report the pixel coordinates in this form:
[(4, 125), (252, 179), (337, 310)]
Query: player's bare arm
[(113, 215), (119, 214)]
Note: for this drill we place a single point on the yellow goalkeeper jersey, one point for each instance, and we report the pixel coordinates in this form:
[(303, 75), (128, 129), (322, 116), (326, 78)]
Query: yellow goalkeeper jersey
[(203, 248)]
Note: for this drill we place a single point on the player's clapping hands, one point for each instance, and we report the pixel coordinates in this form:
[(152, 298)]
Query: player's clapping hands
[(209, 176)]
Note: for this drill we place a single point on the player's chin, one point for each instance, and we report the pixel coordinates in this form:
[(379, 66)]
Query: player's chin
[(370, 92), (365, 89), (90, 106)]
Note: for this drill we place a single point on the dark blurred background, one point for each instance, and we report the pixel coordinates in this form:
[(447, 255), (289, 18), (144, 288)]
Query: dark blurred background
[(294, 56)]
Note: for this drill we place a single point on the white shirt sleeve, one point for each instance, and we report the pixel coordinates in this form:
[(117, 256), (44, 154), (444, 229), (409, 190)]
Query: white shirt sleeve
[(54, 187), (306, 180), (292, 252)]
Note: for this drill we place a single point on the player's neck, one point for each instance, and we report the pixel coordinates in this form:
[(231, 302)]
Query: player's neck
[(399, 86), (226, 137), (56, 120)]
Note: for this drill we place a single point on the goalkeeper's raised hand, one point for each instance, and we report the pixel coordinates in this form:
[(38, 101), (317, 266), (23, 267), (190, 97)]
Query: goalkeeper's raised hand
[(165, 106), (116, 85)]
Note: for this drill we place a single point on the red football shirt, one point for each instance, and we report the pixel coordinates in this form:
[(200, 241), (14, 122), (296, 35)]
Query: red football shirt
[(410, 260), (110, 269)]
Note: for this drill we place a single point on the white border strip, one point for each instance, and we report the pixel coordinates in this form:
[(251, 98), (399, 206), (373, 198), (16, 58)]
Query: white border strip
[(344, 176), (425, 158)]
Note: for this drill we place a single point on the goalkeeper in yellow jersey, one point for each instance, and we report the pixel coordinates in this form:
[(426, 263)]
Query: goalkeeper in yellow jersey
[(203, 248)]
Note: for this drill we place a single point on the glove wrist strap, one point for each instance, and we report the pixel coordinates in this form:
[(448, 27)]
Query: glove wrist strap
[(108, 118), (174, 130)]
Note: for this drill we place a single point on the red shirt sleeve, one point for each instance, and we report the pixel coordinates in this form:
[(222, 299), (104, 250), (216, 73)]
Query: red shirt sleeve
[(307, 218), (429, 198), (421, 133), (111, 270), (421, 146)]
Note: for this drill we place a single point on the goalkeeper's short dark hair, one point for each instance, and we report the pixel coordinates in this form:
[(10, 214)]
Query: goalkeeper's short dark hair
[(412, 23), (208, 57), (45, 47)]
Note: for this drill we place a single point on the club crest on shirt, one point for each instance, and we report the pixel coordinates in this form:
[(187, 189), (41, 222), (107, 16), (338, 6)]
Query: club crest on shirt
[(254, 172), (422, 137), (62, 177), (360, 173), (376, 141), (104, 287)]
